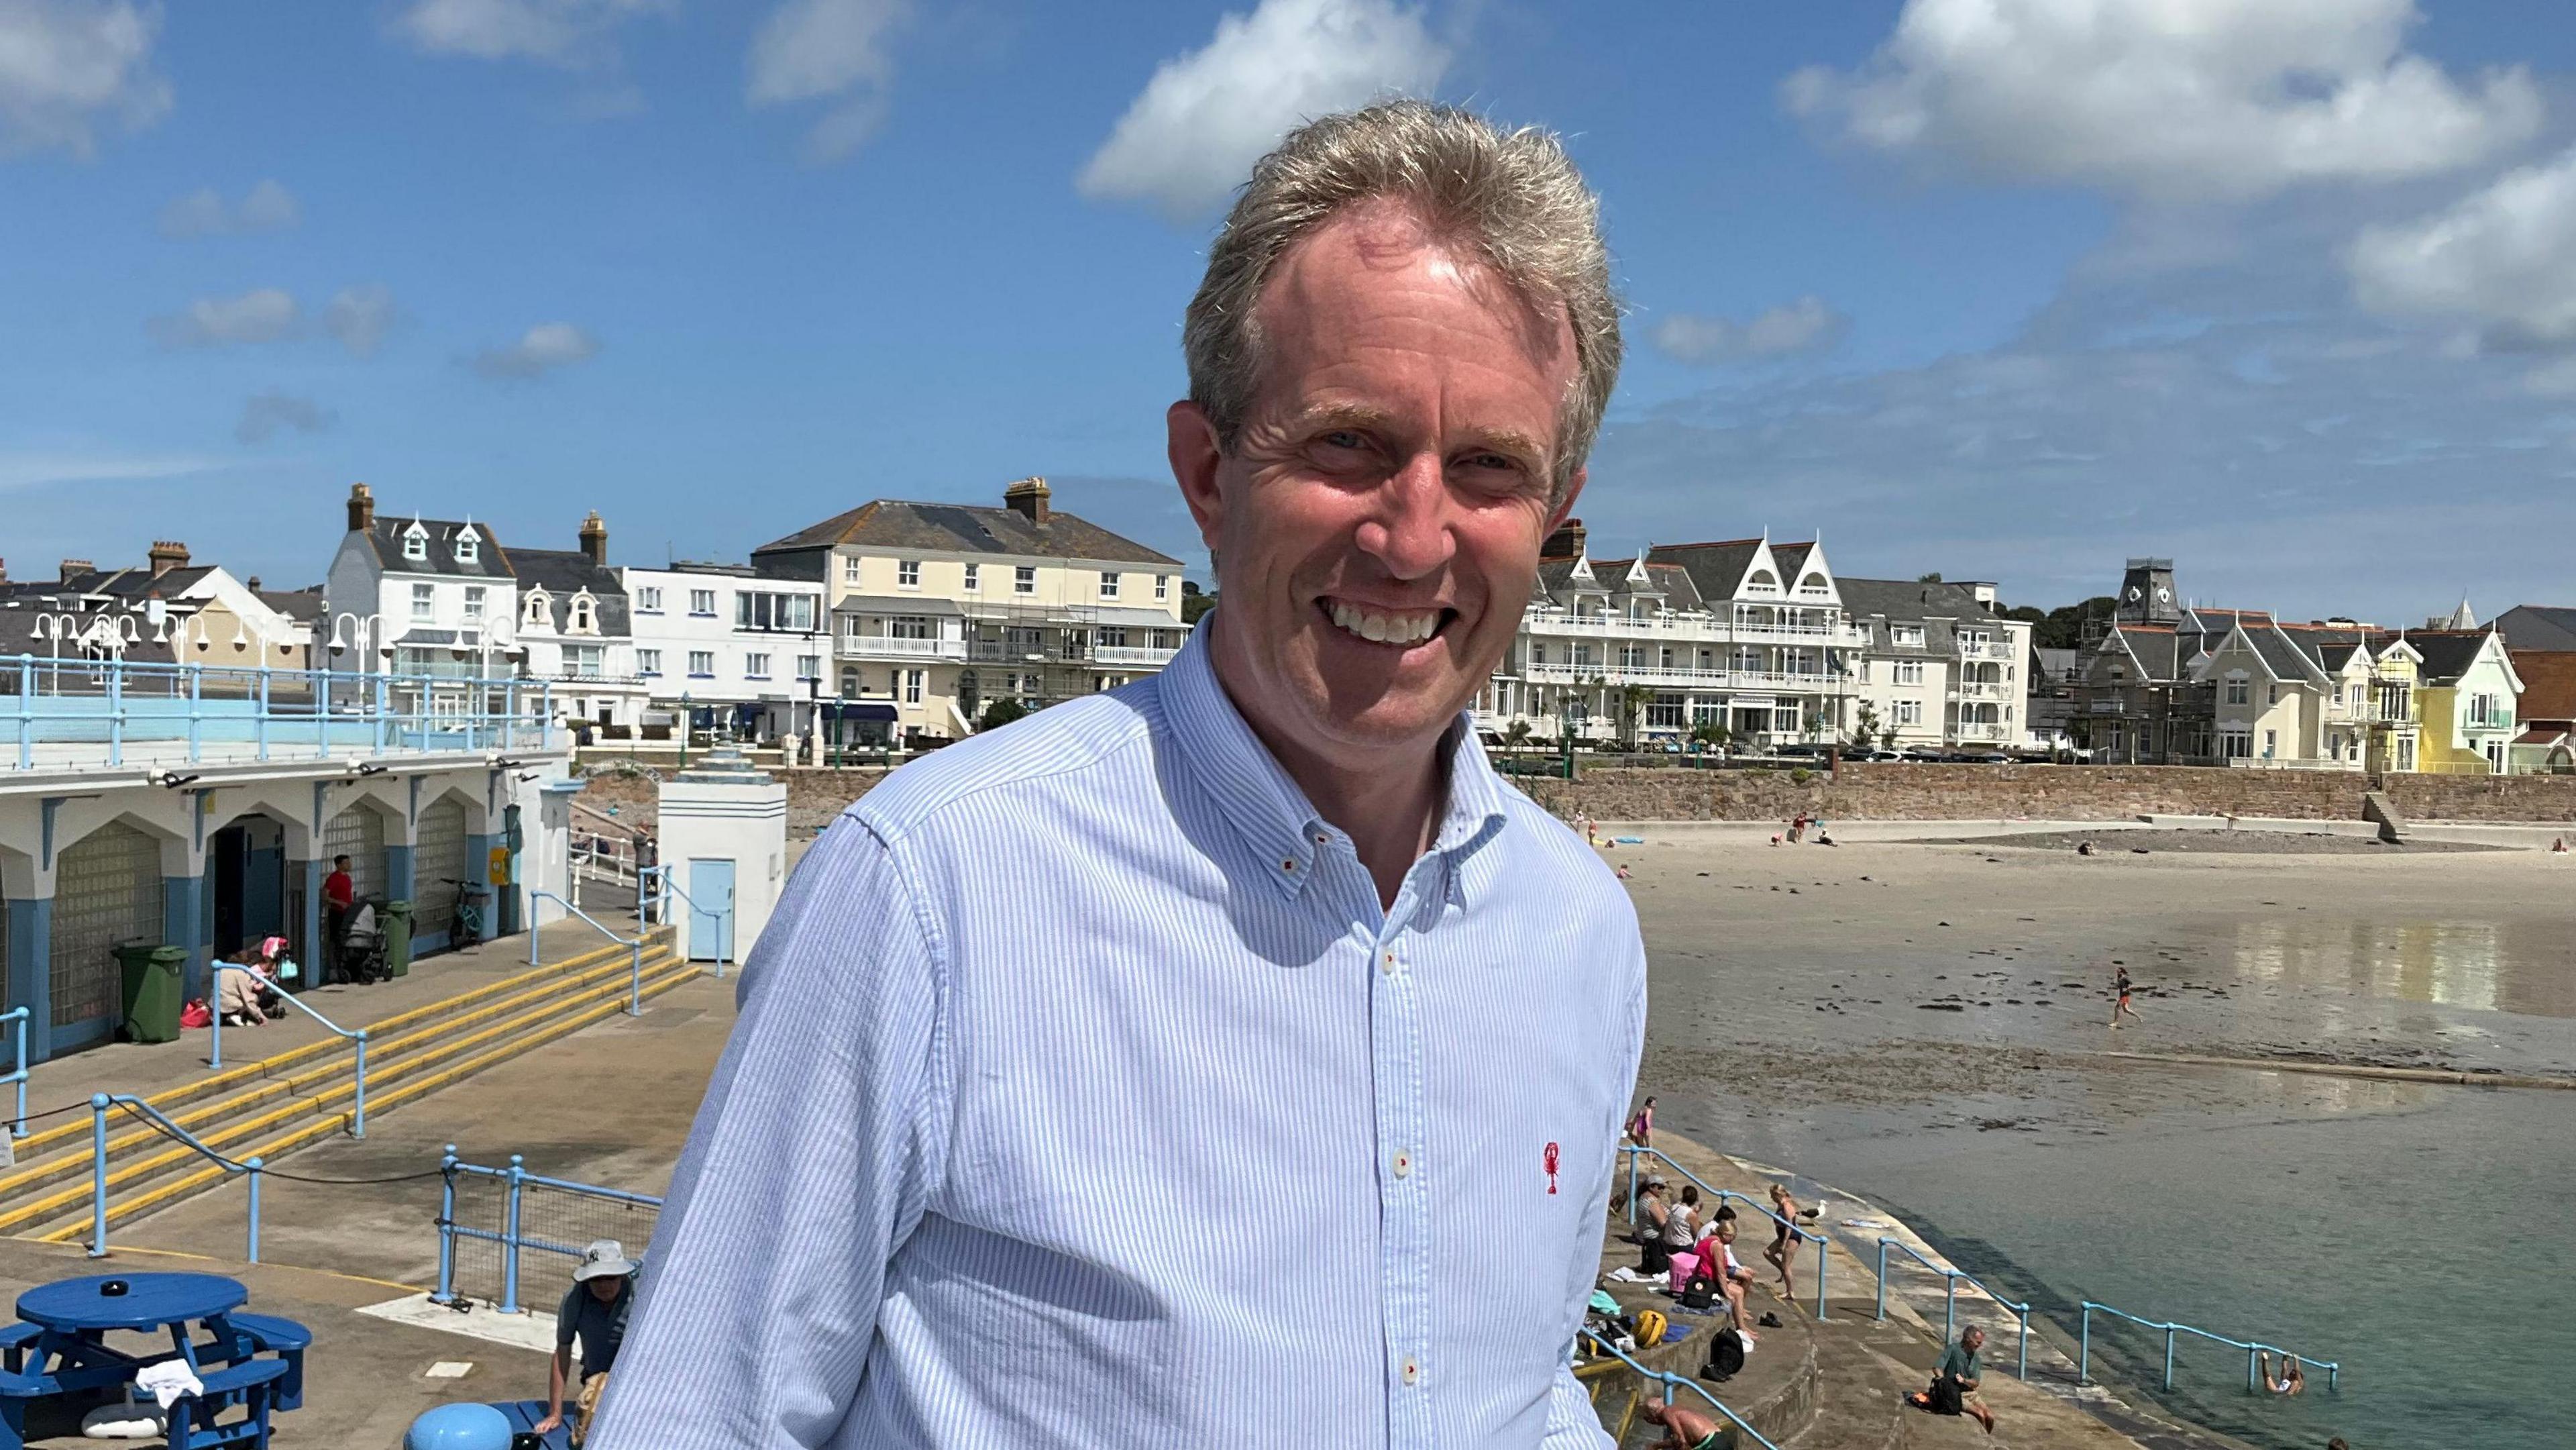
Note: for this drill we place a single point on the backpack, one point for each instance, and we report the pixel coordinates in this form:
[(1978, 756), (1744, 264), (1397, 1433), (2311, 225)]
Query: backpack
[(1725, 1356), (1650, 1328), (195, 1014)]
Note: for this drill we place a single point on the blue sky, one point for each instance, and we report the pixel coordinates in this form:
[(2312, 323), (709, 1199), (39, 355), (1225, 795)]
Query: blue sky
[(2283, 288)]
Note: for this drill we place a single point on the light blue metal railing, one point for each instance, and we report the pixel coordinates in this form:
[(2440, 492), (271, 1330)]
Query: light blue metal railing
[(1635, 1152), (16, 1017), (634, 946), (1951, 1279), (358, 1036), (117, 704), (511, 1240), (1672, 1381), (2253, 1348), (99, 1104), (661, 901)]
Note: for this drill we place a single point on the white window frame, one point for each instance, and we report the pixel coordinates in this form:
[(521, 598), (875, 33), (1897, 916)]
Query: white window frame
[(755, 664), (1108, 583), (974, 578), (415, 542), (1024, 579), (1909, 672), (474, 602), (850, 572), (424, 603), (809, 667), (469, 546), (648, 662), (2240, 691), (1162, 587), (1907, 635), (702, 604), (585, 615), (1909, 712), (533, 611), (907, 573), (913, 681), (702, 664), (648, 599)]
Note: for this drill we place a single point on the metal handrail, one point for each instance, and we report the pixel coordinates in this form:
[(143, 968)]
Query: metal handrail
[(16, 1017), (1950, 1299), (99, 1103), (510, 1239), (724, 918), (1668, 1381), (634, 945), (215, 1057), (1635, 1151), (2252, 1348)]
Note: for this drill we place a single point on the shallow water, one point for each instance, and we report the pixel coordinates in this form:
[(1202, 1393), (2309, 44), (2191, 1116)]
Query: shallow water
[(2419, 1234)]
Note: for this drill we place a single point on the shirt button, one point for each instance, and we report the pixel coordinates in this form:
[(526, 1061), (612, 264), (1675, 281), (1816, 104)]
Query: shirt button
[(1412, 1370), (1403, 1165), (1387, 963), (1287, 865)]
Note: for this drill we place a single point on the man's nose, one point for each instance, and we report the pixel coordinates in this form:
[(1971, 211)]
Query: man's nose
[(1408, 532)]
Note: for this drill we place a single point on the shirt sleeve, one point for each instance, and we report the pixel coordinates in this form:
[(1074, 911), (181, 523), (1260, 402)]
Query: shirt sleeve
[(568, 1318), (814, 1152), (1572, 1423)]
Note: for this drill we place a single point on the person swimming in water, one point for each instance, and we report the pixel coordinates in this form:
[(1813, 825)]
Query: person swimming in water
[(2293, 1380)]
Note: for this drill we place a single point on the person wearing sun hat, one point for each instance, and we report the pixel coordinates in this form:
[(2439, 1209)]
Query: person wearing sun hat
[(594, 1313)]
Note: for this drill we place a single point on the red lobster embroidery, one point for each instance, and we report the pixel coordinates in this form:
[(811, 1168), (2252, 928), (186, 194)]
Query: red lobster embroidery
[(1551, 1168)]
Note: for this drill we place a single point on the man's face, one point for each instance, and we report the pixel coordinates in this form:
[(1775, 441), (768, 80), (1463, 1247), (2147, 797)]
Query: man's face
[(1972, 1339), (605, 1287), (1377, 526)]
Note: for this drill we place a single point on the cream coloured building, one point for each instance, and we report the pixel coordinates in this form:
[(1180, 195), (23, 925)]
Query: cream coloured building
[(939, 609)]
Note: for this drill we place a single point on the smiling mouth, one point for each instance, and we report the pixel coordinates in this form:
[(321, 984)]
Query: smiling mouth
[(1396, 628)]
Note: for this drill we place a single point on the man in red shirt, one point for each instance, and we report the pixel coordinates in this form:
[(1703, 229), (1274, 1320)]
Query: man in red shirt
[(338, 895)]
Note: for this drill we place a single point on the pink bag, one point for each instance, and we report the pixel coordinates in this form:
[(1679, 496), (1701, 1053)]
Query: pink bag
[(1684, 1265)]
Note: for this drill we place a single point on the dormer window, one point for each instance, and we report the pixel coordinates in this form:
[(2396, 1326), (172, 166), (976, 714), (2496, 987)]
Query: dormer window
[(415, 542), (469, 545), (585, 614), (536, 611)]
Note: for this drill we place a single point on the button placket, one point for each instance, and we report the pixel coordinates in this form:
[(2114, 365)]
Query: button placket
[(1397, 1033)]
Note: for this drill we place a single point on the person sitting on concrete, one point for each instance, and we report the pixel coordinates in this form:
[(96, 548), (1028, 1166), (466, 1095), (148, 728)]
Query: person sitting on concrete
[(2293, 1380), (594, 1312), (1652, 1217), (1727, 1276), (245, 986), (1953, 1390), (1681, 1222), (1684, 1429)]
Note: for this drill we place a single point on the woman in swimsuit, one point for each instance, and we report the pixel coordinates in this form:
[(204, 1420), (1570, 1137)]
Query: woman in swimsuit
[(1783, 1252), (2292, 1380)]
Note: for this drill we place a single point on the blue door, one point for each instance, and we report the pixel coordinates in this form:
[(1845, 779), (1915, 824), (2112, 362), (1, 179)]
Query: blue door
[(710, 892)]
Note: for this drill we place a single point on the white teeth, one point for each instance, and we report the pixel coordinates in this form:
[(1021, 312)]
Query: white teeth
[(1400, 629)]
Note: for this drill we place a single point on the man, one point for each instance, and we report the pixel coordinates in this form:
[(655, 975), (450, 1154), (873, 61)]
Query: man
[(339, 894), (1953, 1390), (1121, 1077), (593, 1313), (1684, 1429)]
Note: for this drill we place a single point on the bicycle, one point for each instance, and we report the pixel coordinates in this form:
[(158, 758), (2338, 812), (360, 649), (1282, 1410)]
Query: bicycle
[(469, 915)]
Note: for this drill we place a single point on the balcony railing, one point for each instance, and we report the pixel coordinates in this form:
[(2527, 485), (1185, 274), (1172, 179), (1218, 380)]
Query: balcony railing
[(1563, 674), (1128, 656), (888, 647), (1971, 651), (1695, 628), (2106, 707), (70, 714), (1981, 730), (1980, 690)]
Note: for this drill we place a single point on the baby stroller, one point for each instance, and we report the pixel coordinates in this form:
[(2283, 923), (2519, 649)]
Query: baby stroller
[(362, 944)]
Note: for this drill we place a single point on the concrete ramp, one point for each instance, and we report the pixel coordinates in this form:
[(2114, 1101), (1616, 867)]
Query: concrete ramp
[(2375, 808)]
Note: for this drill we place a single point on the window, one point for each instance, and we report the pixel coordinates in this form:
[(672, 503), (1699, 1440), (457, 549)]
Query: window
[(423, 598), (582, 661), (974, 578), (1108, 583), (1631, 656), (1860, 673), (469, 548), (1538, 653), (849, 569), (415, 541), (1162, 586), (755, 665), (2236, 744), (1909, 712), (753, 609), (911, 626), (585, 614), (702, 664), (702, 603), (1024, 579), (907, 574), (474, 601), (648, 662), (1906, 635), (535, 611), (1784, 719), (912, 683), (2237, 692), (1909, 672), (809, 667), (849, 680), (2272, 696), (2271, 742), (648, 599)]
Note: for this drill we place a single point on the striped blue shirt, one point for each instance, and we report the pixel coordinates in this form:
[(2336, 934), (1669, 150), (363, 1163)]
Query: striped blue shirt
[(1083, 1095)]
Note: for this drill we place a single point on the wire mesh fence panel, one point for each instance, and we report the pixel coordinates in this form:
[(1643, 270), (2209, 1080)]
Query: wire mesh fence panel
[(555, 1226)]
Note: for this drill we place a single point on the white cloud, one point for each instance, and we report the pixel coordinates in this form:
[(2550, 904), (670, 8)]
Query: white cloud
[(1191, 137), (264, 414), (2172, 99), (570, 33), (360, 317), (1806, 325), (31, 469), (267, 207), (543, 348), (65, 64), (831, 51), (264, 315), (2502, 258)]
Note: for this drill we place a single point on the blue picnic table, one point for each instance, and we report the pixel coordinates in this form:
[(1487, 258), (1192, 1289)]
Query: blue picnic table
[(59, 1349)]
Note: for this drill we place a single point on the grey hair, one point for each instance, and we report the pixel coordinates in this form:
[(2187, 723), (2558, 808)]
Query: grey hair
[(1513, 197)]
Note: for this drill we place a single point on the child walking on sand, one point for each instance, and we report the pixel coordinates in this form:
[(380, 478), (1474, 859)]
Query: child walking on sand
[(2122, 1008)]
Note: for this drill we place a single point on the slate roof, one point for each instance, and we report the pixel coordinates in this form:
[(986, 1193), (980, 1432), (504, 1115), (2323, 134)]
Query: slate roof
[(2538, 626), (2447, 653), (2156, 647), (1877, 604), (302, 605), (2548, 684), (1715, 569), (133, 583), (967, 529), (2282, 655), (386, 537), (563, 573)]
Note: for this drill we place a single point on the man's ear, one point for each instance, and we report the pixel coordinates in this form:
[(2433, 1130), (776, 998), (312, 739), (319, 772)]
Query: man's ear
[(1191, 443), (1564, 507)]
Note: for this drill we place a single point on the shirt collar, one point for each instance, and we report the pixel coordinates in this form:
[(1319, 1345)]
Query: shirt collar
[(1265, 807)]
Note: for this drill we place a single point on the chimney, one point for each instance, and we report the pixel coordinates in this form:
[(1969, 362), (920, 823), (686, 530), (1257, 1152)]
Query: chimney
[(251, 583), (1028, 498), (1565, 543), (166, 555), (4, 571), (362, 509), (74, 568), (594, 540)]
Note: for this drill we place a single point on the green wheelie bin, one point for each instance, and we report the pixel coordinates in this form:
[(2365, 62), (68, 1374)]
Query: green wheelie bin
[(153, 990), (397, 938)]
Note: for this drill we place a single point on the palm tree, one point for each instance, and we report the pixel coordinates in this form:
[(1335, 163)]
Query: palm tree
[(1712, 735), (1631, 702), (1516, 735)]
